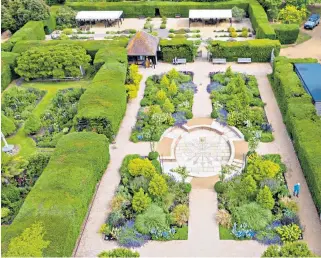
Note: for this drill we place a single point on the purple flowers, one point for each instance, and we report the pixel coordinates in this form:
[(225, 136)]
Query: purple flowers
[(268, 238), (213, 86), (179, 118), (188, 86), (129, 237)]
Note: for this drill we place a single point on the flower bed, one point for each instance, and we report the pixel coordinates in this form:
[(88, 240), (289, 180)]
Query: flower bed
[(257, 204), (147, 204), (237, 102), (167, 101)]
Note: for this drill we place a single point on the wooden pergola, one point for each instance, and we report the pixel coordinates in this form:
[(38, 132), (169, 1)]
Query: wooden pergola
[(107, 17)]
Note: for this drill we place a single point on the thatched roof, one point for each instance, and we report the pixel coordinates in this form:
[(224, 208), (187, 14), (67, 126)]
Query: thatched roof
[(142, 44)]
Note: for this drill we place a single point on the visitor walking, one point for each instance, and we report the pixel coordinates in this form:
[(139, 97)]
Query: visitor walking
[(296, 190)]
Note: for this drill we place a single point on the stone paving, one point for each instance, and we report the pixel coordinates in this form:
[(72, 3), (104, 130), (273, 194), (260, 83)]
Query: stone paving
[(203, 231)]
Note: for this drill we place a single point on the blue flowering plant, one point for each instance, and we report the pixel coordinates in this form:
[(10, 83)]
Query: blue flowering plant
[(129, 237), (158, 234), (242, 231)]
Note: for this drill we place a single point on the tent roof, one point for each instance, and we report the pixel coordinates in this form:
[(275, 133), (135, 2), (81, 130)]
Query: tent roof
[(142, 44), (310, 75), (98, 15), (210, 14)]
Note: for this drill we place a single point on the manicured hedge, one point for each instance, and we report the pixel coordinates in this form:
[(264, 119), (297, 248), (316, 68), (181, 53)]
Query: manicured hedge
[(109, 54), (258, 49), (180, 48), (286, 33), (8, 63), (300, 118), (50, 24), (168, 9), (62, 194), (260, 21), (102, 107), (32, 30), (91, 46)]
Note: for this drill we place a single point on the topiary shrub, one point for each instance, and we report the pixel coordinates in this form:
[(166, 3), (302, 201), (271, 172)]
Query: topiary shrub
[(140, 201), (32, 125), (265, 198), (153, 155), (219, 187), (119, 252)]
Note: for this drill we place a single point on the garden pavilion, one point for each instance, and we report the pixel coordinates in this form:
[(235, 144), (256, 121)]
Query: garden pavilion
[(141, 47), (209, 16), (109, 18)]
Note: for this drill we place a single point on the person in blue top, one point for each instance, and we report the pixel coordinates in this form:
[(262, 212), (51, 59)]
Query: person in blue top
[(296, 190)]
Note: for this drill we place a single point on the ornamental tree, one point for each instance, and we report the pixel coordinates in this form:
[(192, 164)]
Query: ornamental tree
[(262, 169), (238, 13), (57, 61), (140, 201), (158, 186), (141, 167), (29, 244), (65, 17), (265, 198), (291, 14)]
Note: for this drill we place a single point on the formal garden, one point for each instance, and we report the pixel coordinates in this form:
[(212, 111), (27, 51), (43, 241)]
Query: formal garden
[(65, 95)]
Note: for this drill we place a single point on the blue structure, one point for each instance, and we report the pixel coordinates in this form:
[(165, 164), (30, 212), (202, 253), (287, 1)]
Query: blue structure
[(310, 76)]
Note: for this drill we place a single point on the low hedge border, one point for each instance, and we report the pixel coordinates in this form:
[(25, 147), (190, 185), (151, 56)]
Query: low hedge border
[(259, 50), (286, 33), (62, 194), (180, 48), (301, 120)]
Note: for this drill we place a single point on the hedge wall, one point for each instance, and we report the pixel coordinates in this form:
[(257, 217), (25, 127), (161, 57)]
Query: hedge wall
[(91, 46), (62, 194), (258, 49), (50, 24), (168, 9), (300, 118), (32, 30), (286, 33), (109, 54), (8, 63), (102, 107), (180, 48)]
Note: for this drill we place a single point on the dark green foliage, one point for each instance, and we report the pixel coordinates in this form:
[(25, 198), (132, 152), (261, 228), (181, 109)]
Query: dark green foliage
[(61, 61), (259, 50), (8, 126), (15, 14), (65, 17), (219, 187), (153, 155), (300, 118), (119, 252), (6, 75), (32, 124), (62, 194), (180, 48), (286, 33), (50, 24)]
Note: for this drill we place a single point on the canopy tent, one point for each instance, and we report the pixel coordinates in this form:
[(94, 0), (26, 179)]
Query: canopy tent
[(105, 16), (209, 14)]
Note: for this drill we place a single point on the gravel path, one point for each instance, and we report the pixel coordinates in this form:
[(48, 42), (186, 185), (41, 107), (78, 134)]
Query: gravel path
[(203, 231)]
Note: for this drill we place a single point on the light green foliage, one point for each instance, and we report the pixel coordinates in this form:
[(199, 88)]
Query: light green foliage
[(7, 125), (180, 214), (131, 91), (249, 186), (158, 186), (153, 217), (140, 201), (141, 167), (182, 171), (32, 125), (256, 217), (62, 61), (164, 82), (133, 81), (168, 106), (161, 97), (289, 233), (65, 17), (295, 249), (238, 13), (172, 89), (265, 198), (104, 229), (4, 212), (119, 252), (292, 15), (30, 243)]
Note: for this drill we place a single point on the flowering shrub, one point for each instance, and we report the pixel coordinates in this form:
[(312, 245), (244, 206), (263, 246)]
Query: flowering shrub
[(130, 238), (179, 118), (267, 238), (242, 231), (158, 234)]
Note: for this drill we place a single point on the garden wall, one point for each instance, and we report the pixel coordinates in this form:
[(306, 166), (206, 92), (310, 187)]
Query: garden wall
[(258, 49), (180, 48), (300, 118), (62, 194), (286, 33)]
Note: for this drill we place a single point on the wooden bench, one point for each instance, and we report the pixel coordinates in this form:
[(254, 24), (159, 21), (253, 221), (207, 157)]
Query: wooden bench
[(177, 15), (244, 60), (180, 61), (219, 60)]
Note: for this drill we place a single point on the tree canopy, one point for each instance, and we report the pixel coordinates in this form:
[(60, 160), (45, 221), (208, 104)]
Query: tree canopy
[(16, 13), (58, 61), (65, 17)]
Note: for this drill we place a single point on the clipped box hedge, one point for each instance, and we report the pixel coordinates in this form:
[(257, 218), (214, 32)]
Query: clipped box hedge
[(259, 50), (102, 107), (301, 120), (180, 48), (286, 33), (61, 196), (91, 46), (109, 54)]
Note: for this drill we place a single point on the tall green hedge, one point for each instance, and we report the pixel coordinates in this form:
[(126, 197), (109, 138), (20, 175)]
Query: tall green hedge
[(109, 54), (50, 24), (180, 48), (62, 194), (258, 49), (286, 33), (300, 118), (102, 107), (32, 30), (91, 46), (8, 63)]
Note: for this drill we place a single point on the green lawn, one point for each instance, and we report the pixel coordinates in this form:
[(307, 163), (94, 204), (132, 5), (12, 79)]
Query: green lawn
[(225, 234), (26, 144)]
